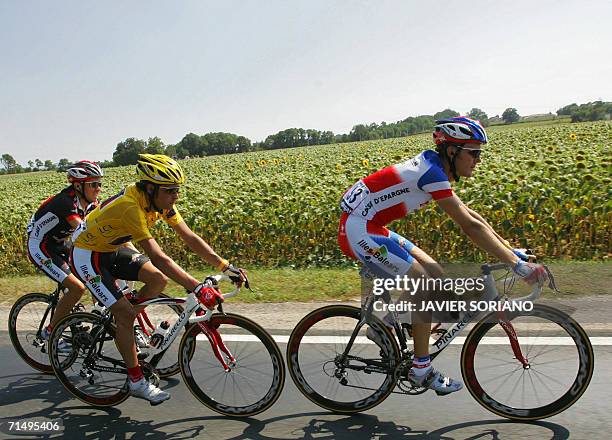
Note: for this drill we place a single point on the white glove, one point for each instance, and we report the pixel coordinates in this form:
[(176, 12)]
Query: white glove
[(530, 272)]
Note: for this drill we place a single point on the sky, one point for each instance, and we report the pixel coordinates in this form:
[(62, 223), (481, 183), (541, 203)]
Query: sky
[(77, 77)]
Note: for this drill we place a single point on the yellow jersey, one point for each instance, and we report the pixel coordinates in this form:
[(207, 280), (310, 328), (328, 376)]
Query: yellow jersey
[(126, 216)]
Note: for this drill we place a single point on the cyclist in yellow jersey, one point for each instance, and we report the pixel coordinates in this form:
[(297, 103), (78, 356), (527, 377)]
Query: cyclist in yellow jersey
[(103, 252)]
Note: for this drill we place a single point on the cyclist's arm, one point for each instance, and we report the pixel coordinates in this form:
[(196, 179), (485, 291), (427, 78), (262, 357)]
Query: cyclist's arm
[(198, 245), (167, 264), (480, 234), (484, 222), (75, 222)]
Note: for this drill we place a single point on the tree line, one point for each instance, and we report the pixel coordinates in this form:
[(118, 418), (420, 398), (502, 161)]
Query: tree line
[(194, 145)]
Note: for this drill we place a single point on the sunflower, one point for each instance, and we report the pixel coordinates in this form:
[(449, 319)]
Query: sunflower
[(365, 162), (573, 136)]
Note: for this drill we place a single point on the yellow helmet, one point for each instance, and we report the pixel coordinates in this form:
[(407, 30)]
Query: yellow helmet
[(159, 169)]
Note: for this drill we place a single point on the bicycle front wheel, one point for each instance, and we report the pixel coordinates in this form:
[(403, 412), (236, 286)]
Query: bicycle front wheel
[(560, 364), (28, 316), (330, 377), (254, 380), (89, 365)]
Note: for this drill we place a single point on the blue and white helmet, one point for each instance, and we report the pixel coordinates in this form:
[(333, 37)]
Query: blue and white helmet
[(459, 130)]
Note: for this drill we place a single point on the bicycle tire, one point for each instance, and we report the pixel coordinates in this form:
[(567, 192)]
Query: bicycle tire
[(475, 381), (29, 329), (238, 334), (81, 326), (306, 385)]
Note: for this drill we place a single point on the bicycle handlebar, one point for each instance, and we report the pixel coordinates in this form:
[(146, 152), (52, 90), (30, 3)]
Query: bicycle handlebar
[(217, 278), (537, 290)]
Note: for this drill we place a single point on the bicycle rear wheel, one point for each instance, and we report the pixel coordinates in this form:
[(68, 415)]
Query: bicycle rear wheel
[(28, 316), (93, 370), (251, 385), (357, 382), (560, 364)]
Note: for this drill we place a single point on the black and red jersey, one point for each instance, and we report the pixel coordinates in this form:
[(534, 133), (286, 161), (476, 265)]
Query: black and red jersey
[(52, 219)]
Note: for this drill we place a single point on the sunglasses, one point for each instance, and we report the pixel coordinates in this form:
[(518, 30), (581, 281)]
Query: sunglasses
[(475, 153), (94, 184), (173, 190)]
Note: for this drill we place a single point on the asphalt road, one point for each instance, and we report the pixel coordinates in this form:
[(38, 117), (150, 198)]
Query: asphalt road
[(28, 396)]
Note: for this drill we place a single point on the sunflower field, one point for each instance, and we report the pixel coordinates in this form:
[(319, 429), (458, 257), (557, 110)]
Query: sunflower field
[(547, 186)]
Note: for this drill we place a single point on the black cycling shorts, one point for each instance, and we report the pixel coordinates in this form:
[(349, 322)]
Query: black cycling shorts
[(100, 271)]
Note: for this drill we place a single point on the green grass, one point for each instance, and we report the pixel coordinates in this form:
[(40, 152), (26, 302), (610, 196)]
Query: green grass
[(303, 285)]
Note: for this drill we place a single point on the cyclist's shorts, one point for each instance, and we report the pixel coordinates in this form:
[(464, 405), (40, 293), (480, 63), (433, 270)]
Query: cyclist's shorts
[(51, 257), (99, 271), (381, 251)]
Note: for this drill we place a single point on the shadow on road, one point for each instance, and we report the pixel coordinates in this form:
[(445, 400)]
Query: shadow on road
[(110, 423), (362, 426)]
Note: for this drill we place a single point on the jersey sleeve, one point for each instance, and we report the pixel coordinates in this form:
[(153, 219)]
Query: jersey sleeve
[(136, 224), (172, 217), (65, 207), (435, 182)]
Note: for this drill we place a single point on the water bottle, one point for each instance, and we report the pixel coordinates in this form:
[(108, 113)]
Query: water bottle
[(159, 334)]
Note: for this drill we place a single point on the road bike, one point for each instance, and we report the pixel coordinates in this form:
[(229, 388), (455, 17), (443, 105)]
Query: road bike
[(509, 362), (228, 362), (32, 312)]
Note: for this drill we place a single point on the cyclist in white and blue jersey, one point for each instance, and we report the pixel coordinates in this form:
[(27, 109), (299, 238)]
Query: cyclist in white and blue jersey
[(395, 191)]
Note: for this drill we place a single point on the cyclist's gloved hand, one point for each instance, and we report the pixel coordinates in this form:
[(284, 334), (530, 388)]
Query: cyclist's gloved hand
[(237, 275), (531, 272), (208, 296), (523, 254)]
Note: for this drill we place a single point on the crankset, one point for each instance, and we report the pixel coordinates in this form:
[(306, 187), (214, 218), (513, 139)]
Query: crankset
[(150, 373)]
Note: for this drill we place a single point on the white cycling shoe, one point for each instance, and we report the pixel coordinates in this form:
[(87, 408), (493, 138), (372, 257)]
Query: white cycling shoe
[(147, 391), (435, 380), (63, 346)]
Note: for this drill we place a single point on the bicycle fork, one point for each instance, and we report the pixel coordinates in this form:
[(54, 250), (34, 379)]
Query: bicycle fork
[(513, 338), (217, 344)]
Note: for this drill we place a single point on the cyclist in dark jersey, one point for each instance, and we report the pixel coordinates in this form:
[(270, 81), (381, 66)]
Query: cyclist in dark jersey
[(53, 223)]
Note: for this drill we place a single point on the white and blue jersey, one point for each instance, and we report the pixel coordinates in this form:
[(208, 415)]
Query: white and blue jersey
[(380, 198)]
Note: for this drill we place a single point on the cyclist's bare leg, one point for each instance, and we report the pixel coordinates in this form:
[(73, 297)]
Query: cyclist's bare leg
[(124, 314), (68, 300), (421, 321), (154, 283), (431, 266)]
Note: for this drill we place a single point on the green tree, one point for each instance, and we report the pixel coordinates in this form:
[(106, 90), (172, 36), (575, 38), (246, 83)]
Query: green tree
[(190, 145), (446, 114), (63, 164), (128, 150), (591, 111), (479, 115), (39, 164), (568, 110), (49, 165), (510, 115), (155, 146), (8, 163)]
